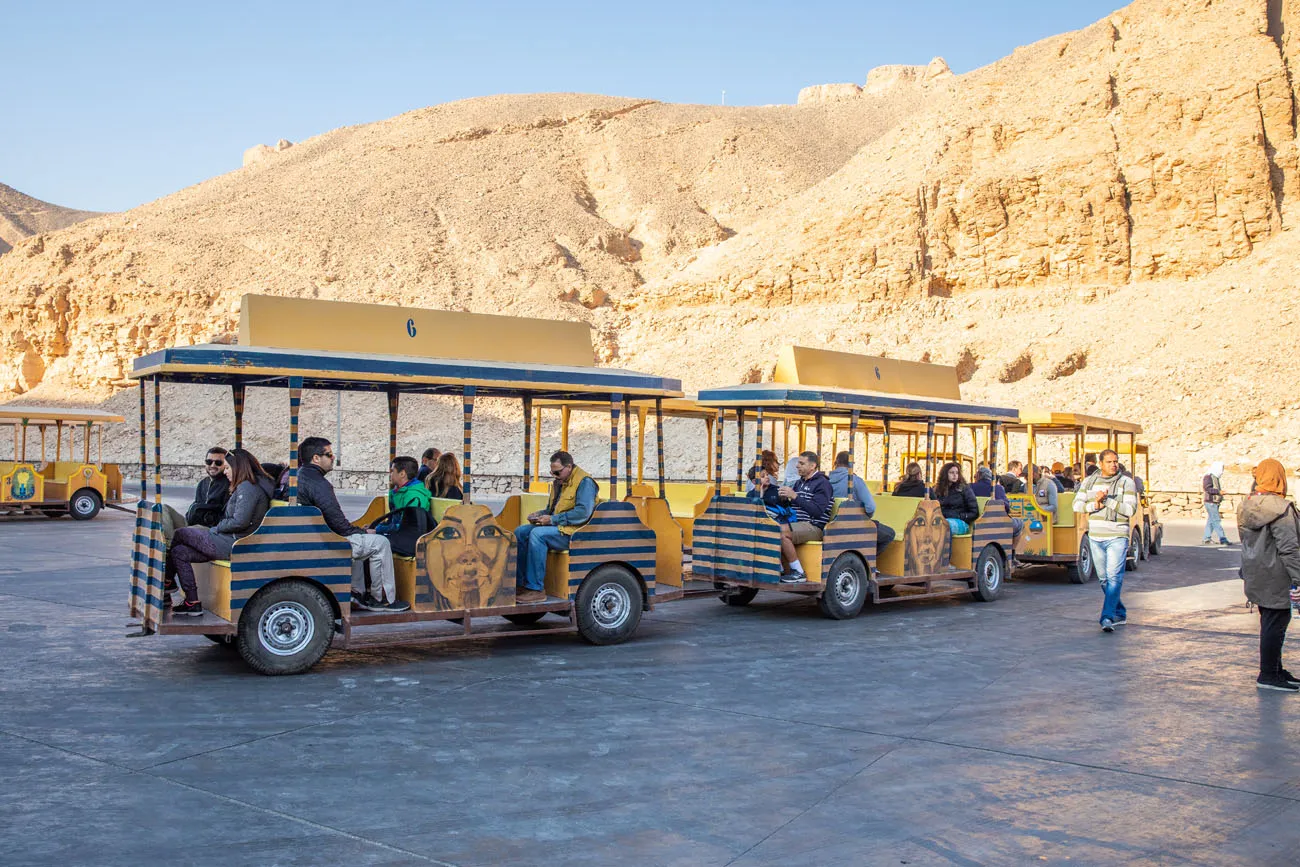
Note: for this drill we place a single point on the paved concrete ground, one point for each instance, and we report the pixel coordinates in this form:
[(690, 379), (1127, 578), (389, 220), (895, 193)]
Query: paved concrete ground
[(930, 733)]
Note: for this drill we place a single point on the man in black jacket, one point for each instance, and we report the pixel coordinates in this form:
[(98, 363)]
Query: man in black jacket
[(315, 459), (212, 493), (811, 496)]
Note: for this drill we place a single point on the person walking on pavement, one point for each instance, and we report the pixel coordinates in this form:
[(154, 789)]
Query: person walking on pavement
[(1109, 499), (1269, 527), (1212, 496)]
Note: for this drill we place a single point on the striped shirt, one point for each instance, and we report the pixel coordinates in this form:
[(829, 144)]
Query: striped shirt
[(1110, 521)]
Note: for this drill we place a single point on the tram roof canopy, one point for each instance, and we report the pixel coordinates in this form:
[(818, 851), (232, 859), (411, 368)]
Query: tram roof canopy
[(38, 415), (1048, 422), (377, 347), (812, 399)]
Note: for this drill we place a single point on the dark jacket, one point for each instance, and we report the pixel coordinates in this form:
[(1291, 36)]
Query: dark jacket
[(812, 499), (245, 510), (960, 503), (454, 494), (315, 490), (1270, 549), (423, 473), (910, 488), (209, 502), (1012, 484), (1212, 492)]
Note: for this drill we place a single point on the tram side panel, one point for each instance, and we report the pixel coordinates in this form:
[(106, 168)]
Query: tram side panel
[(735, 540)]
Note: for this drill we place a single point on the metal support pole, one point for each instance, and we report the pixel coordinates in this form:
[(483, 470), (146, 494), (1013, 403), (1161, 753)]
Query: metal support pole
[(740, 449), (955, 450), (994, 437), (615, 403), (853, 436), (393, 398), (144, 462), (565, 412), (528, 439), (659, 443), (758, 437), (717, 453), (237, 392), (640, 444), (58, 442), (929, 450), (819, 436), (537, 448), (627, 447), (86, 444), (884, 445), (468, 394), (157, 442), (295, 405)]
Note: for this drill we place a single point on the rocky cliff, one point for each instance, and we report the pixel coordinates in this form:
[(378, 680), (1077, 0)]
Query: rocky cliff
[(22, 216)]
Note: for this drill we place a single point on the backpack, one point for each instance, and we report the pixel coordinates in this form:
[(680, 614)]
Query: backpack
[(403, 528)]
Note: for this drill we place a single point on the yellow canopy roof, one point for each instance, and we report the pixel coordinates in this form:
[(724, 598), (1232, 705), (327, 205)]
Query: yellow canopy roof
[(36, 415)]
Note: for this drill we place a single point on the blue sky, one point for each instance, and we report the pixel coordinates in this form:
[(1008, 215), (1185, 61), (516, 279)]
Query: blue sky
[(110, 105)]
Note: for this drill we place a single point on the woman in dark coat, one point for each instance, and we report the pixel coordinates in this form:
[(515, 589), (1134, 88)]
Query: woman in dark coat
[(250, 498), (956, 499), (1270, 566)]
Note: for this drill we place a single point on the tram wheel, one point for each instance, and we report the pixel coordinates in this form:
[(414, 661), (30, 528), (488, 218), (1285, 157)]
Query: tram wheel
[(285, 628), (85, 504), (609, 605), (1156, 538), (846, 588), (737, 596), (990, 569), (1134, 550), (1145, 551), (1081, 570), (526, 619)]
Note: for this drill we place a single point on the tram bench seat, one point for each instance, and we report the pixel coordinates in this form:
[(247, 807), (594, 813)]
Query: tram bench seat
[(810, 557), (61, 470), (1064, 510), (404, 574), (893, 512), (557, 574), (213, 580)]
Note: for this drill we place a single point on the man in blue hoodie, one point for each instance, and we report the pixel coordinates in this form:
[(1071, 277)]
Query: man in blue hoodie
[(845, 484), (811, 497)]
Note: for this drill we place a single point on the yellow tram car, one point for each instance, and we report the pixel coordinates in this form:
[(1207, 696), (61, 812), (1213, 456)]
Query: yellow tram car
[(73, 485)]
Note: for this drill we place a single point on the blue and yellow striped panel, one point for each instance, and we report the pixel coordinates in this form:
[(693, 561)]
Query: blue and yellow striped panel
[(735, 539), (148, 562), (292, 542), (849, 530), (613, 535), (992, 526)]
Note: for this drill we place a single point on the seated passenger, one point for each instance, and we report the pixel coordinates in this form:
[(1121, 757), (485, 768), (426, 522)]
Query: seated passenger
[(913, 483), (1011, 480), (956, 499), (984, 486), (428, 463), (572, 500), (762, 489), (768, 463), (212, 492), (841, 476), (315, 460), (1045, 491), (1067, 478), (249, 501), (812, 498), (1137, 480), (1058, 475), (410, 510), (444, 481)]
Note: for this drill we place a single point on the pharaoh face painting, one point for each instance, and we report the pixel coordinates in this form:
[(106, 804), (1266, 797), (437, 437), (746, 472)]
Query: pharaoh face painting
[(466, 558), (928, 541), (22, 485)]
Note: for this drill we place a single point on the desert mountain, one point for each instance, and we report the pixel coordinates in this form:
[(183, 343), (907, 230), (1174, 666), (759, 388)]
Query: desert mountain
[(22, 216), (1100, 221)]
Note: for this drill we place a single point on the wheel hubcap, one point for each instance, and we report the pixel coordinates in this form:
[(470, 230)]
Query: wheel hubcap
[(992, 574), (611, 606), (847, 587), (83, 505), (286, 628)]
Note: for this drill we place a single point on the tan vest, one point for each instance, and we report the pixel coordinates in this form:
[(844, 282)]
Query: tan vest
[(564, 496)]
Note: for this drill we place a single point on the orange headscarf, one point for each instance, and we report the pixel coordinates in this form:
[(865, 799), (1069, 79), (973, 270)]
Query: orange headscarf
[(1270, 477)]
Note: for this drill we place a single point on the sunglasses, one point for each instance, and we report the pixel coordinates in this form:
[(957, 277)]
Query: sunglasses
[(216, 463), (329, 455)]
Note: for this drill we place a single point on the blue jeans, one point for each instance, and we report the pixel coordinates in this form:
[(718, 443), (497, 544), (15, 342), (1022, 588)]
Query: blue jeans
[(1212, 523), (1109, 557), (534, 541)]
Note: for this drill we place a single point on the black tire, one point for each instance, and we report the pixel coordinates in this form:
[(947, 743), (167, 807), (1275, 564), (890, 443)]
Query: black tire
[(609, 605), (846, 588), (1134, 550), (1145, 552), (227, 641), (526, 619), (286, 627), (1081, 570), (990, 573), (85, 504), (737, 596), (1156, 538)]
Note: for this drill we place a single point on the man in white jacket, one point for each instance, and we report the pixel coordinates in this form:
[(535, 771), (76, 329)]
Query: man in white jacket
[(1109, 499)]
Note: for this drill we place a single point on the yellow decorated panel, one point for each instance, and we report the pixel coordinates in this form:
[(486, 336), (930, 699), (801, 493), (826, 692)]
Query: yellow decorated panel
[(799, 365), (653, 512), (382, 329), (22, 484)]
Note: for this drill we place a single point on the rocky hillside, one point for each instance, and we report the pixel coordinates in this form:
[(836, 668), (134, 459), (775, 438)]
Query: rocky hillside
[(1099, 221), (22, 216)]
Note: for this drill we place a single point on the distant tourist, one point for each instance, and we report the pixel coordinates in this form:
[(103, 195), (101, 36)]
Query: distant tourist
[(444, 481), (1045, 491), (428, 463), (843, 480), (956, 499), (1269, 527), (913, 483), (1109, 499), (1211, 497), (1011, 480)]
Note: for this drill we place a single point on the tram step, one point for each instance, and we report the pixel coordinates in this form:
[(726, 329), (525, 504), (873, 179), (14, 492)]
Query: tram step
[(206, 623), (930, 594), (890, 580)]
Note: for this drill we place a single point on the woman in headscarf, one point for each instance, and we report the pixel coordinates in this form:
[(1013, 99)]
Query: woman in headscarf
[(1212, 496), (1270, 566)]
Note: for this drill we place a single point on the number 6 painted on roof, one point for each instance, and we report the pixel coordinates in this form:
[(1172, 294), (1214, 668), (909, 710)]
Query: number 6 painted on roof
[(410, 327)]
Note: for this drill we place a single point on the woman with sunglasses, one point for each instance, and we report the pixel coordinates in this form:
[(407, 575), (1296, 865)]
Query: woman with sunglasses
[(250, 498)]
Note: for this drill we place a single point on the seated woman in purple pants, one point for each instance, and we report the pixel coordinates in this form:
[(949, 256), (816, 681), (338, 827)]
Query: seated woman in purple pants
[(250, 498)]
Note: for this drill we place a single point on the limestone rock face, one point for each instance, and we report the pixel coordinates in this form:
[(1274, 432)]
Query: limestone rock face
[(828, 93), (22, 216), (886, 78)]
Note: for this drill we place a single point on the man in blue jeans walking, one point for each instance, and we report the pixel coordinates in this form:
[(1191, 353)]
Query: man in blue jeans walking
[(1109, 498), (1212, 497), (572, 500)]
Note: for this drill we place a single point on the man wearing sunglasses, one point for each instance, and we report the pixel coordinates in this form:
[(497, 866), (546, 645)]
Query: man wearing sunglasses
[(212, 493)]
